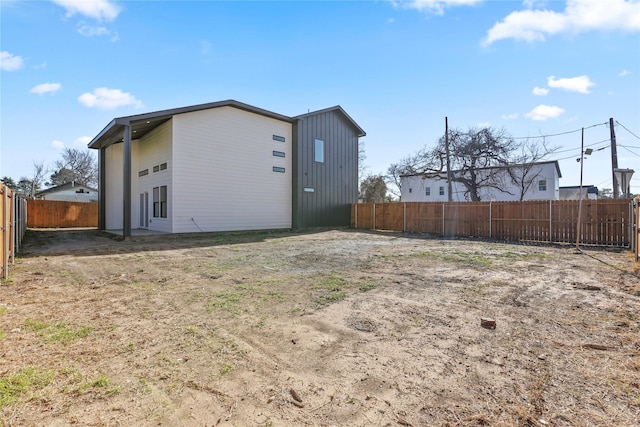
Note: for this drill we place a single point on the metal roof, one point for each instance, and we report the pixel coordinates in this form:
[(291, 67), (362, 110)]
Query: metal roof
[(141, 124), (361, 132)]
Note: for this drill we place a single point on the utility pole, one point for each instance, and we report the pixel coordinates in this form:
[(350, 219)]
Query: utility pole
[(614, 159), (578, 227), (446, 143)]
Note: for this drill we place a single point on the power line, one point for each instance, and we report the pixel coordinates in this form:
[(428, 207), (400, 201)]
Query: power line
[(635, 154), (561, 133), (623, 127)]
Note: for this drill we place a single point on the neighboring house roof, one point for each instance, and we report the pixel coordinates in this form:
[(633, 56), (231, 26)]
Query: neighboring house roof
[(63, 187), (141, 124), (444, 174)]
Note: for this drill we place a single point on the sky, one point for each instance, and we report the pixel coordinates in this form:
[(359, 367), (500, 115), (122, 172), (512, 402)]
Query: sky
[(537, 69)]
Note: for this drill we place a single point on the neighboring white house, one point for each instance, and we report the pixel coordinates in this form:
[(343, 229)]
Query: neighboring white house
[(69, 192), (533, 182), (227, 166)]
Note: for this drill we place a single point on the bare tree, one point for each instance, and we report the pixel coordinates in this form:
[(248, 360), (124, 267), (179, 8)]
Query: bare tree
[(76, 165), (39, 172), (478, 159), (426, 162), (524, 170)]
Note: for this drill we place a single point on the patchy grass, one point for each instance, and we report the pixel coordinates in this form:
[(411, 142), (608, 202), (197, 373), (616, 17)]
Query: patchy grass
[(26, 380), (225, 300), (455, 257), (368, 286), (331, 290), (57, 332)]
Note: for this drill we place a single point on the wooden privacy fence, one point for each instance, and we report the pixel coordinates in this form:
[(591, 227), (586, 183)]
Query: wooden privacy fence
[(603, 222), (635, 234), (56, 214), (13, 211)]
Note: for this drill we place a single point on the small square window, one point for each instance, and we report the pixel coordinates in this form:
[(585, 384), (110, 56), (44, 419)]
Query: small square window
[(410, 190), (427, 191), (163, 166), (542, 185), (156, 168), (441, 191), (143, 172)]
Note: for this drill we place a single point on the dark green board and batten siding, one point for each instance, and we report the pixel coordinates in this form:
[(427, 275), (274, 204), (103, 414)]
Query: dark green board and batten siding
[(323, 192)]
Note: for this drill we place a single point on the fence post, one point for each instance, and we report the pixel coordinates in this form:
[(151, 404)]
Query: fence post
[(490, 217), (5, 233), (404, 219), (374, 216), (550, 220), (443, 218), (12, 228), (356, 216)]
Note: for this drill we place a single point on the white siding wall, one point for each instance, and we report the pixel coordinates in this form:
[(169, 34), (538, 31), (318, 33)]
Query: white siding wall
[(414, 188), (223, 176), (152, 150), (113, 187)]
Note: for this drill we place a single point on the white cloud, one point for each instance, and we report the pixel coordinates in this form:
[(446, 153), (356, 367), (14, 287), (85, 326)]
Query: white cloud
[(540, 91), (10, 62), (483, 125), (91, 30), (579, 84), (101, 10), (510, 116), (108, 99), (544, 112), (624, 73), (57, 144), (82, 141), (46, 88), (579, 16), (436, 7)]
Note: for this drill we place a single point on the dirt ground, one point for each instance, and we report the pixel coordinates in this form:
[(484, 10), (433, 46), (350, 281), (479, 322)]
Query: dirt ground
[(324, 328)]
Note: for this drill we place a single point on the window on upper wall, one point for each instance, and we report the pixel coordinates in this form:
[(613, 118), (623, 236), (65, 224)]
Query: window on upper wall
[(160, 202), (441, 191), (279, 138), (542, 185), (318, 150), (427, 191), (410, 190)]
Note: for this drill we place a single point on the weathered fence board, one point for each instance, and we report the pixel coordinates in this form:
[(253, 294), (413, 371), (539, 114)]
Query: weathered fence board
[(57, 214), (12, 227), (603, 222)]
